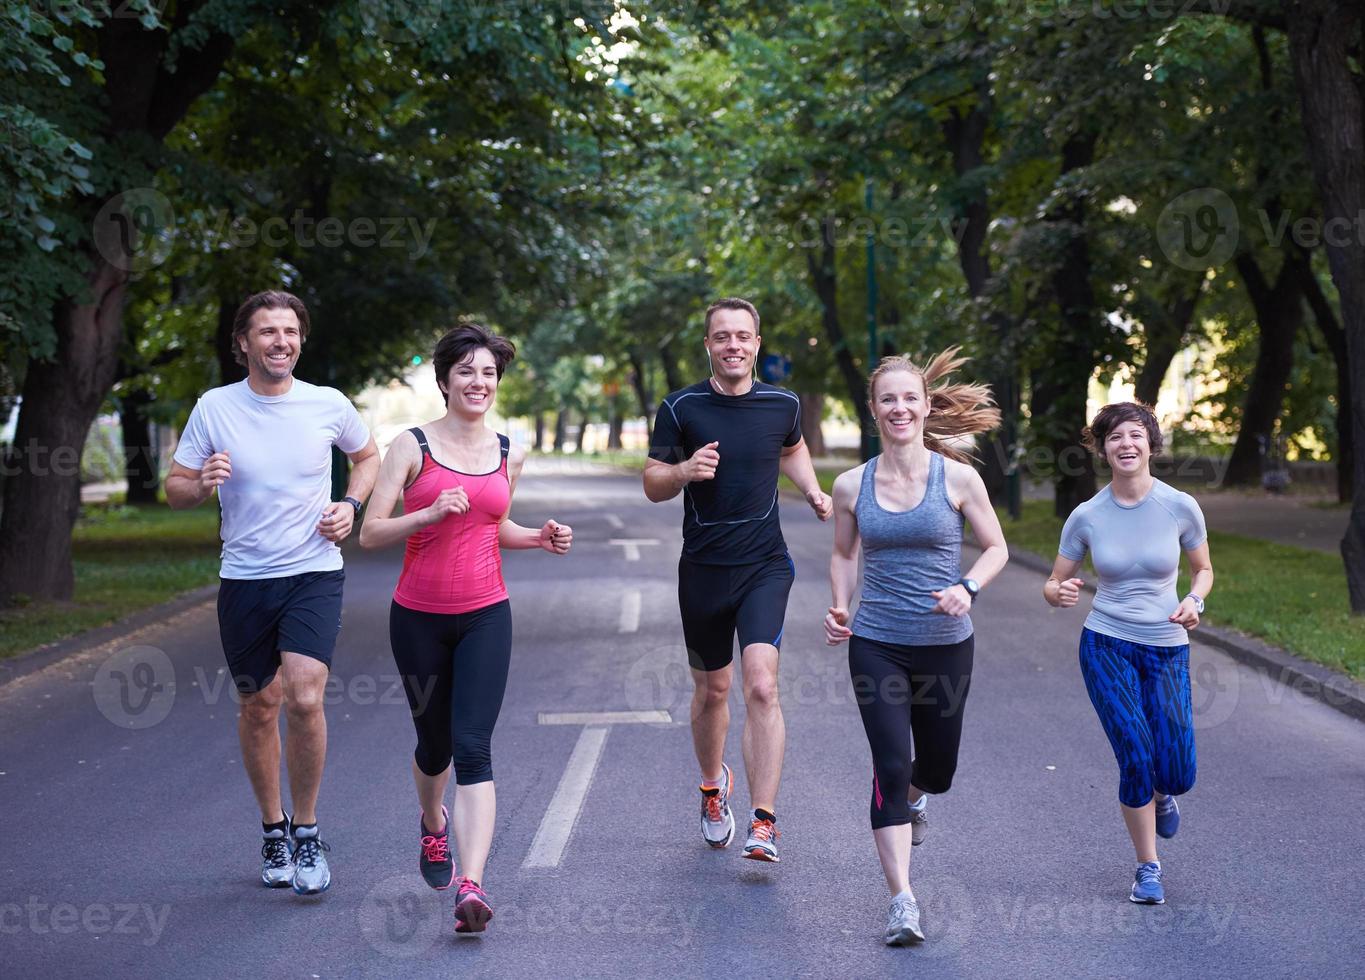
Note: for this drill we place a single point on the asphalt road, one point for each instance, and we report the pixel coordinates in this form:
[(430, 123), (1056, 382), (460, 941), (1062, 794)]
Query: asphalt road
[(131, 841)]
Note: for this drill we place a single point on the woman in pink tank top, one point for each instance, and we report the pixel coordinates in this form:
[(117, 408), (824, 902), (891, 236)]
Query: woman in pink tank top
[(450, 623)]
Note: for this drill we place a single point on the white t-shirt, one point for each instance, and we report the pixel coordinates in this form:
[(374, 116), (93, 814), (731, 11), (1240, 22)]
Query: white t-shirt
[(280, 447)]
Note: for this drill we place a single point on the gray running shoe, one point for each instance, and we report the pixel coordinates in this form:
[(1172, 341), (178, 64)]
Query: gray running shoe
[(717, 822), (762, 842), (919, 820), (311, 874), (278, 870), (902, 925)]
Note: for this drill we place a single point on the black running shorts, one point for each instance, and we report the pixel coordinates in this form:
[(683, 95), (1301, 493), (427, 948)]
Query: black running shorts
[(258, 618), (718, 601)]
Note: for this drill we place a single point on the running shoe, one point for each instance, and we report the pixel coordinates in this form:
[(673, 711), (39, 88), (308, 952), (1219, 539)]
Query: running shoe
[(717, 822), (278, 869), (1167, 817), (472, 910), (919, 820), (762, 843), (1147, 888), (902, 925), (438, 869), (311, 874)]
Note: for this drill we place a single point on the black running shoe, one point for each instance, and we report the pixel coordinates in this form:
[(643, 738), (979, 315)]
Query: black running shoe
[(438, 870)]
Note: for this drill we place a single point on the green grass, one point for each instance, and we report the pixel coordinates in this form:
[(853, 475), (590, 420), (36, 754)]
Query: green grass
[(1291, 597), (126, 559), (825, 474)]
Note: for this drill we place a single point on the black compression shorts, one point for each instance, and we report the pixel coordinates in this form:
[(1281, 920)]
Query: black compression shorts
[(718, 601)]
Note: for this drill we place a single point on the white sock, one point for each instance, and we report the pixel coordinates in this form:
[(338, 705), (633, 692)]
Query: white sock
[(907, 894), (919, 804)]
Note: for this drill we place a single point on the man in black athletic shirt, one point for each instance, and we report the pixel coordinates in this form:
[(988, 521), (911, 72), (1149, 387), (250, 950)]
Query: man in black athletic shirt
[(722, 443)]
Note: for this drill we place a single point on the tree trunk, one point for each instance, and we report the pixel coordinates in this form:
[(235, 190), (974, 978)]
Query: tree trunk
[(1336, 341), (1165, 331), (1062, 386), (144, 97), (539, 444), (1279, 315), (1325, 41), (672, 377), (561, 428), (965, 134), (582, 433), (640, 384), (823, 279), (61, 399), (812, 410), (614, 424), (140, 463), (229, 371)]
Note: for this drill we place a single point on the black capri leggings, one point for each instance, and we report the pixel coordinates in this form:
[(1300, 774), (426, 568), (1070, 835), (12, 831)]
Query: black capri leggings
[(910, 695), (454, 668)]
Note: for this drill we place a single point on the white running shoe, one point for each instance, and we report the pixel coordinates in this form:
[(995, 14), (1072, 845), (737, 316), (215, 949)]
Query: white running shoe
[(902, 925), (762, 842), (919, 820), (717, 822)]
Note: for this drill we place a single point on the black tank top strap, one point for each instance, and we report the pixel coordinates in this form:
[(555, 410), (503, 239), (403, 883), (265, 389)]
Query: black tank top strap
[(505, 445), (421, 438)]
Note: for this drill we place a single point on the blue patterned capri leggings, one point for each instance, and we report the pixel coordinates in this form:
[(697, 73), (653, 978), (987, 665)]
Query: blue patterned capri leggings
[(1142, 696)]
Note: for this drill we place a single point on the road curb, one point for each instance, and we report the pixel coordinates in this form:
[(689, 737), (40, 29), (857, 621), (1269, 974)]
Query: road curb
[(1305, 677), (24, 664)]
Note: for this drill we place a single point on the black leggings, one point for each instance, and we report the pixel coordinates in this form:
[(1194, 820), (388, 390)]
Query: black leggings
[(909, 695), (454, 668)]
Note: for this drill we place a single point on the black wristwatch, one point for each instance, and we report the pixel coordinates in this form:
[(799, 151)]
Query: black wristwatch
[(972, 586), (354, 503)]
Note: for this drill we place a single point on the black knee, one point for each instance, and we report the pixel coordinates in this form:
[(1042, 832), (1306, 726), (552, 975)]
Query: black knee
[(432, 759), (934, 775)]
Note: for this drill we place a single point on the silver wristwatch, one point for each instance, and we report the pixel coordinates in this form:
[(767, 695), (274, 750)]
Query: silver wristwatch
[(1198, 602)]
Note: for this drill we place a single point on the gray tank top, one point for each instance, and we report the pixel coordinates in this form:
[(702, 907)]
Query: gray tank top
[(906, 555)]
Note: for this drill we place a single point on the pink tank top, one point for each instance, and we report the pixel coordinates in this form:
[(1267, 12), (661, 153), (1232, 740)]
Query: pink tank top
[(455, 566)]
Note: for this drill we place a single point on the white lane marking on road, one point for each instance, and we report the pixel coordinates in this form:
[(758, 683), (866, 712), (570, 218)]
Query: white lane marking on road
[(632, 546), (557, 824), (604, 717), (615, 522), (630, 611)]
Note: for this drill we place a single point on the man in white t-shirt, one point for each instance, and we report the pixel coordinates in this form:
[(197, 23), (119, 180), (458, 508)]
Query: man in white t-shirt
[(265, 445)]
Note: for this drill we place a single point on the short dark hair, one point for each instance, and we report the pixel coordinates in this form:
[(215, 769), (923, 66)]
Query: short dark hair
[(460, 343), (730, 303), (1111, 416), (271, 299)]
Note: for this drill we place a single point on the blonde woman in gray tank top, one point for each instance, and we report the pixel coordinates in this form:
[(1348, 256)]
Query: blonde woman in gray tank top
[(910, 644)]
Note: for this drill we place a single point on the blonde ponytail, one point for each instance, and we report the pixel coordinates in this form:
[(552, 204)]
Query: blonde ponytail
[(955, 408)]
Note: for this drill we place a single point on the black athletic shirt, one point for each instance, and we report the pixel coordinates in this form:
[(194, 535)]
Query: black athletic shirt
[(730, 519)]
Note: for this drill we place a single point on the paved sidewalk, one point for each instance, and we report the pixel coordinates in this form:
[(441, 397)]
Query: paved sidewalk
[(1303, 520), (1292, 520)]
